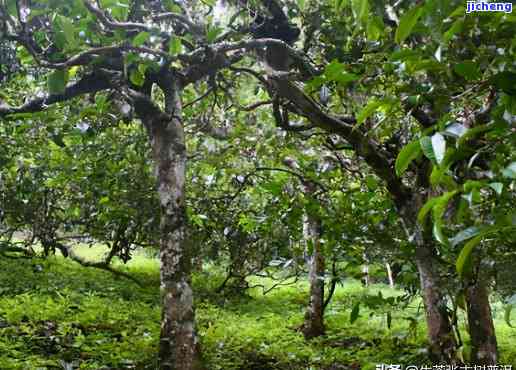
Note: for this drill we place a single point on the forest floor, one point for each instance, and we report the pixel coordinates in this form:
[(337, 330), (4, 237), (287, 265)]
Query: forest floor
[(56, 314)]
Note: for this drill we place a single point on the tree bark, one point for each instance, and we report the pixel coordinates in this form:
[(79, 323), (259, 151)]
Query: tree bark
[(441, 336), (179, 346), (389, 275), (480, 325), (365, 271), (314, 317), (440, 330)]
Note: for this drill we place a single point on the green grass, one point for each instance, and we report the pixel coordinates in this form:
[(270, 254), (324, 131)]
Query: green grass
[(55, 311)]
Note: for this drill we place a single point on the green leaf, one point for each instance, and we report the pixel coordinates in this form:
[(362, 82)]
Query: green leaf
[(406, 155), (56, 81), (497, 187), (68, 30), (175, 47), (468, 69), (425, 209), (335, 71), (442, 203), (361, 9), (455, 129), (375, 28), (463, 263), (438, 233), (465, 234), (137, 77), (510, 171), (140, 38), (371, 106), (439, 147), (426, 146), (354, 313), (455, 28), (407, 23), (171, 6), (213, 33), (505, 81)]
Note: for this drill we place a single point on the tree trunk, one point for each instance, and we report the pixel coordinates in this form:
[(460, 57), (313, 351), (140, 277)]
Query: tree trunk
[(389, 274), (481, 327), (179, 347), (440, 330), (365, 271), (441, 336), (314, 317)]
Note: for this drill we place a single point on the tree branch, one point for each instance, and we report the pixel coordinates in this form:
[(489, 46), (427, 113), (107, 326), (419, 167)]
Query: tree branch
[(90, 83), (375, 156)]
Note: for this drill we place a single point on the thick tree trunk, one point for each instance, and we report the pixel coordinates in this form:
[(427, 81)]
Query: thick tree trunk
[(440, 330), (481, 327), (179, 347), (314, 317)]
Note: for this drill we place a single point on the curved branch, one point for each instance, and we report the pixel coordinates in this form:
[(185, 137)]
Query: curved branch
[(90, 83), (377, 158)]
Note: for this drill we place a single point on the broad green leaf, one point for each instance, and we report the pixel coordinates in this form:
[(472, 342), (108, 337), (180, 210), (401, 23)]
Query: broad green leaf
[(441, 204), (175, 47), (140, 38), (505, 81), (426, 146), (468, 69), (407, 23), (375, 28), (463, 263), (361, 9), (371, 106), (68, 30), (438, 146), (427, 207), (335, 71), (354, 313), (56, 82), (137, 77), (406, 155), (440, 176), (213, 33)]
